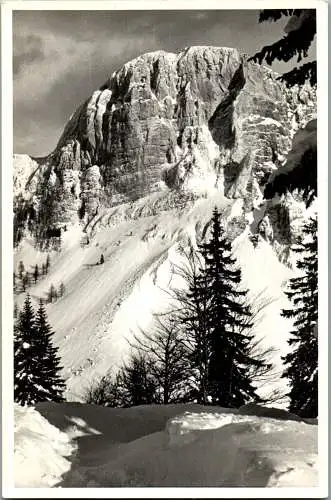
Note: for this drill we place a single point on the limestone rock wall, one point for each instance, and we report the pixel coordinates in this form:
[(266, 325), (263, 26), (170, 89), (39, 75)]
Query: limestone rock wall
[(192, 121)]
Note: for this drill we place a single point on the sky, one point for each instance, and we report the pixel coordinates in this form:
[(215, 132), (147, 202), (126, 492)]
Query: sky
[(61, 57)]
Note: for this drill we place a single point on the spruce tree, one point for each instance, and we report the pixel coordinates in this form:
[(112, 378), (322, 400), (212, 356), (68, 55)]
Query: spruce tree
[(25, 356), (51, 293), (36, 365), (302, 361), (36, 273), (62, 289), (21, 269), (52, 385), (48, 263), (231, 345)]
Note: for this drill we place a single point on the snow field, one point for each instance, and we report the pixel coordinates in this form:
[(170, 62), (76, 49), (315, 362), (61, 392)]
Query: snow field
[(105, 306), (175, 445)]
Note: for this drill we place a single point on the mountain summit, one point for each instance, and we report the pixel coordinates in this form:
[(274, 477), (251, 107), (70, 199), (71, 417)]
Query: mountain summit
[(137, 171)]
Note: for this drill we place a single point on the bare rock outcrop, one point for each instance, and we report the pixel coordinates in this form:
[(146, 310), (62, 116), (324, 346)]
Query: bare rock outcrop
[(201, 119)]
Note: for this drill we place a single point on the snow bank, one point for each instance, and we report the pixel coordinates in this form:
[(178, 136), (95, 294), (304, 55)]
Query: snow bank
[(184, 446), (41, 450)]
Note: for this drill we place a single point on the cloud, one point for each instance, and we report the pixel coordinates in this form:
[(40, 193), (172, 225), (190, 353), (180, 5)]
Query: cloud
[(27, 50), (54, 73)]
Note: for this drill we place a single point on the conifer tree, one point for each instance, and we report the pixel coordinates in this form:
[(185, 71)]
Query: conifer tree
[(21, 269), (48, 263), (36, 365), (15, 310), (25, 281), (52, 385), (36, 273), (51, 293), (25, 356), (302, 361), (231, 346), (62, 289)]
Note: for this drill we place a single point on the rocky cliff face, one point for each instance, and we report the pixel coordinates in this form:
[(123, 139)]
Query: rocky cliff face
[(190, 122)]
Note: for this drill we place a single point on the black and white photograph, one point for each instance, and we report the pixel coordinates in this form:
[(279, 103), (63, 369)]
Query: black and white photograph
[(164, 225)]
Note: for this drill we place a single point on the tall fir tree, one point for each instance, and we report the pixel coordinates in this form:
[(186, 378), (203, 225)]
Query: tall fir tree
[(53, 385), (302, 361), (231, 345), (36, 365)]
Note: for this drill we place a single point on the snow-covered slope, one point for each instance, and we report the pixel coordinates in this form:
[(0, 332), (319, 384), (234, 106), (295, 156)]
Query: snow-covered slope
[(137, 172), (175, 445), (105, 305)]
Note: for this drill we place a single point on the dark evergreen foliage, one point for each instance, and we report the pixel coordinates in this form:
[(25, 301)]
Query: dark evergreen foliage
[(36, 273), (25, 281), (48, 263), (295, 43), (36, 364), (62, 289), (230, 346), (15, 311), (303, 177), (52, 293), (302, 361), (53, 384), (21, 269)]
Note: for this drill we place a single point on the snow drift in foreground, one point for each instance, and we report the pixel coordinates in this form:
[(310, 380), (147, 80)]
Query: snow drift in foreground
[(41, 450), (75, 445)]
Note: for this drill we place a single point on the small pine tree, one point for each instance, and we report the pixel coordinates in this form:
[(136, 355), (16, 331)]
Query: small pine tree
[(51, 293), (36, 273), (43, 269), (21, 269), (48, 263), (62, 289), (302, 361), (14, 280), (231, 346), (25, 281), (15, 310)]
